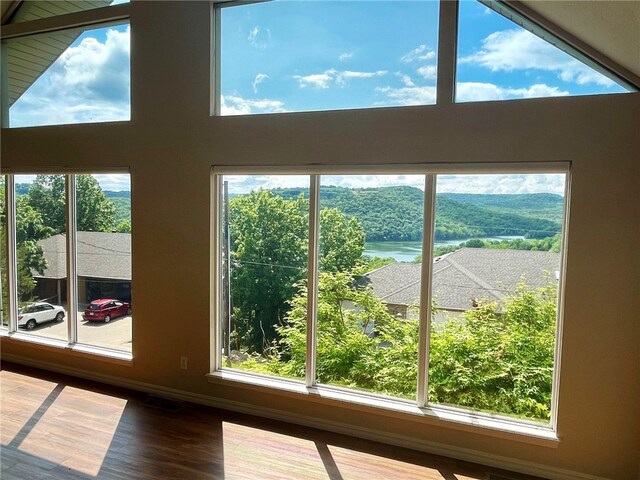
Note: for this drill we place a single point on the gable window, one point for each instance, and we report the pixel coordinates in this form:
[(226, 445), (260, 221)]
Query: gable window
[(66, 263), (498, 59), (65, 63), (438, 287)]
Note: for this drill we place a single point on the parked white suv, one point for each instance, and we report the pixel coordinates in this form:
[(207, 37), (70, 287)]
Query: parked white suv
[(39, 312)]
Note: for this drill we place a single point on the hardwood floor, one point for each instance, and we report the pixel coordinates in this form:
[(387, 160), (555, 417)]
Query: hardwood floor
[(59, 427)]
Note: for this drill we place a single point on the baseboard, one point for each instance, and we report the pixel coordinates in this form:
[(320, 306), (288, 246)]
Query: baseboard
[(492, 460)]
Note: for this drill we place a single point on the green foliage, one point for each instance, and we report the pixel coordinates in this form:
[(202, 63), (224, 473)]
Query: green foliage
[(30, 228), (498, 361), (95, 213), (269, 251), (341, 241), (549, 244), (123, 227), (122, 208), (459, 220), (549, 206), (373, 263)]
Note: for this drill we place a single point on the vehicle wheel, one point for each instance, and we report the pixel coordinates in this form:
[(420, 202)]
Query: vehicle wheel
[(59, 317), (31, 324), (128, 311), (107, 319)]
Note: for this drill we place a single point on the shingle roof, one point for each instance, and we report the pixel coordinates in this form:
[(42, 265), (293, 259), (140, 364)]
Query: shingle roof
[(100, 255), (465, 276)]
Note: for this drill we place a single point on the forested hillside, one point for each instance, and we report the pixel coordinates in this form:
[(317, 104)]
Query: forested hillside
[(395, 213), (539, 205)]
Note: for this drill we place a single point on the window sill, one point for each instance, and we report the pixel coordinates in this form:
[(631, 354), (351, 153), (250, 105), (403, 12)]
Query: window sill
[(448, 417), (81, 350)]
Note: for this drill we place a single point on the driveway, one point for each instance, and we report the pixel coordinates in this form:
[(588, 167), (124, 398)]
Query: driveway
[(116, 334)]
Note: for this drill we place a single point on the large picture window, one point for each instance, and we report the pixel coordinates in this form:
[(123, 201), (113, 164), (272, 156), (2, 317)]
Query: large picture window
[(440, 288), (67, 255)]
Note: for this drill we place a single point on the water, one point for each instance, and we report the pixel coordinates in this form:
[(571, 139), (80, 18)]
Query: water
[(407, 251)]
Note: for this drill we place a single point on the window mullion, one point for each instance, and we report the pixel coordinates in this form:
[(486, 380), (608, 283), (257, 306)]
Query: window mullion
[(447, 52), (72, 261), (428, 229), (216, 274), (12, 266), (312, 282)]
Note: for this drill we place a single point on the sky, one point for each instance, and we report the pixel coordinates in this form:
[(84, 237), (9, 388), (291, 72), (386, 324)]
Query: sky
[(285, 56), (484, 183)]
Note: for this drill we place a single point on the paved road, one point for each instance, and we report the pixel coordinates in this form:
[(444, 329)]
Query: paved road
[(115, 334)]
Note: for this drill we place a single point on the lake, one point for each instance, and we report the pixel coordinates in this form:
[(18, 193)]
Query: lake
[(407, 251)]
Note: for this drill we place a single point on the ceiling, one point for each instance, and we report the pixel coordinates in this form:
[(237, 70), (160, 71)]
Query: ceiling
[(610, 27)]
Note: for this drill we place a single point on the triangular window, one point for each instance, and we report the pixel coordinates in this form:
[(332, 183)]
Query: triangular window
[(500, 60)]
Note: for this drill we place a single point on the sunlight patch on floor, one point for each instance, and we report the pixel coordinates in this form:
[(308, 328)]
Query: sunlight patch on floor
[(255, 453), (61, 425)]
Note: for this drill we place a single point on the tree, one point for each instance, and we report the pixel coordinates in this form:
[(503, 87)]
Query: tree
[(268, 257), (269, 252), (95, 212), (341, 241), (29, 255)]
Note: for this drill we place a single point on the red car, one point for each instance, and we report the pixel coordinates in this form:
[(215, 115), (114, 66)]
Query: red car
[(104, 309)]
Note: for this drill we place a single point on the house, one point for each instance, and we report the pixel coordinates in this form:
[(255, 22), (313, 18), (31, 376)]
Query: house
[(463, 278), (104, 267), (172, 141)]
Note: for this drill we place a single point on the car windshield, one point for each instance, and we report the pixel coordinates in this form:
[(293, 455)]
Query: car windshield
[(94, 307)]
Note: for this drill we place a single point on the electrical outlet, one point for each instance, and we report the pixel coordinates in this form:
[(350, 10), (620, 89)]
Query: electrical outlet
[(183, 363)]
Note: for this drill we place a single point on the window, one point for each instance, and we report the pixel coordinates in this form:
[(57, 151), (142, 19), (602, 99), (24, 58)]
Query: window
[(63, 271), (293, 56), (437, 287), (69, 76), (500, 60), (103, 216)]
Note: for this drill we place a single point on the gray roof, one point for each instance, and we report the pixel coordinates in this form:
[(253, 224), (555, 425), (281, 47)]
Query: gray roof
[(100, 255), (465, 276)]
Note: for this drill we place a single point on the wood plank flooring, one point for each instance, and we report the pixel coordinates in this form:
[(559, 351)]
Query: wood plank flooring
[(59, 427)]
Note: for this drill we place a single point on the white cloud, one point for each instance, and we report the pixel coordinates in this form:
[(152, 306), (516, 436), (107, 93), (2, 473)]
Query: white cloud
[(234, 105), (421, 52), (406, 80), (316, 80), (343, 77), (261, 77), (428, 71), (511, 50), (502, 184), (409, 95), (345, 56), (325, 79), (478, 92), (88, 83), (259, 37)]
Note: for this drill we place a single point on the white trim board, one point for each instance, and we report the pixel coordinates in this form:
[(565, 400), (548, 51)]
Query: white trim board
[(465, 454)]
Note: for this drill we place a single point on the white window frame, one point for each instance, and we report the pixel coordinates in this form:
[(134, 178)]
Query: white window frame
[(529, 431), (12, 331)]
